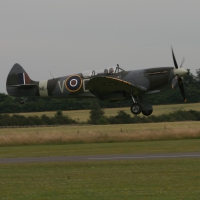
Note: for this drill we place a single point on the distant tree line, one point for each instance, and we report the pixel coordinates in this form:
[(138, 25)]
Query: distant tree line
[(20, 120), (99, 119), (124, 118), (169, 96)]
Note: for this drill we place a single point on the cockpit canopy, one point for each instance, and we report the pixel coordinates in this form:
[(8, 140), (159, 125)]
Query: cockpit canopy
[(103, 72)]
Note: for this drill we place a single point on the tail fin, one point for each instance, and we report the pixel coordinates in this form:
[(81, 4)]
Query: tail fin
[(17, 76), (17, 79)]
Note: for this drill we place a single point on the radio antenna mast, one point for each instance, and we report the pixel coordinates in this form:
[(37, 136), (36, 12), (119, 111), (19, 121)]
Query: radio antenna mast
[(51, 74)]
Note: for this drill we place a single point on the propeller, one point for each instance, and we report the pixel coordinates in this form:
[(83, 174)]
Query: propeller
[(179, 72)]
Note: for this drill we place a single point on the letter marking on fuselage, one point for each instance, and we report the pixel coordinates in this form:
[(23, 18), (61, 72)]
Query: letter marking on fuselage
[(61, 87)]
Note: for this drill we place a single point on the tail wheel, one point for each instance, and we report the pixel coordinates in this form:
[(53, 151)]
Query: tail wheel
[(147, 112), (21, 101), (136, 108)]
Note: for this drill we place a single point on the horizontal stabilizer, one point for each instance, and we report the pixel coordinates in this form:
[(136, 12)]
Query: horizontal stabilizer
[(25, 86)]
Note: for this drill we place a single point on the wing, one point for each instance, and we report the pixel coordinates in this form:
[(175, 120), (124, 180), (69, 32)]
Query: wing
[(108, 85)]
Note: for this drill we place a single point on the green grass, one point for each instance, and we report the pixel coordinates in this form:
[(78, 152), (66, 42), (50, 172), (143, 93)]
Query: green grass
[(83, 115), (166, 179), (146, 147)]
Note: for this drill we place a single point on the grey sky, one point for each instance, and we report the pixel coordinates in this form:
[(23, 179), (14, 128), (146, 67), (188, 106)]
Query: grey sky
[(70, 36)]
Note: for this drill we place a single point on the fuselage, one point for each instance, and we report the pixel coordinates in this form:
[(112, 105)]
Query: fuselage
[(76, 85)]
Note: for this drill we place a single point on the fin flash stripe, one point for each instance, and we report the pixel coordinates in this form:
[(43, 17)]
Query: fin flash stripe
[(23, 78)]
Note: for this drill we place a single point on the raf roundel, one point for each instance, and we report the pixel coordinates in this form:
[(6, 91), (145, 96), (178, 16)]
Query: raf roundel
[(73, 83)]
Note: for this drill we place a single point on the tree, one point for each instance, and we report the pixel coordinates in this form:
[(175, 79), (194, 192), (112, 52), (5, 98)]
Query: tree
[(96, 113), (198, 75), (59, 113), (123, 118)]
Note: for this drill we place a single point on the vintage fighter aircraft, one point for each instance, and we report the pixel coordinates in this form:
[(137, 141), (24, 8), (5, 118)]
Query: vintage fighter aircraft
[(111, 84)]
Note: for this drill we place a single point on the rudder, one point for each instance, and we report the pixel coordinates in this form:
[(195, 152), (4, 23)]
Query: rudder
[(18, 80)]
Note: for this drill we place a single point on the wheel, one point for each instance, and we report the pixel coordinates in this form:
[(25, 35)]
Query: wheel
[(147, 112), (21, 101), (136, 108)]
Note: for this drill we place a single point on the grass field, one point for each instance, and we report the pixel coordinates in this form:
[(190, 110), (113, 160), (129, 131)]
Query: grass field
[(99, 133), (146, 147), (166, 179), (83, 115)]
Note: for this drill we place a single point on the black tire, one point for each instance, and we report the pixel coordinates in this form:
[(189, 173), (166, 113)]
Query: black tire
[(147, 112), (136, 108)]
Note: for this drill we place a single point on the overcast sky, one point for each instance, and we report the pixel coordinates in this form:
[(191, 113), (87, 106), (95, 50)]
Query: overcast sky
[(71, 36)]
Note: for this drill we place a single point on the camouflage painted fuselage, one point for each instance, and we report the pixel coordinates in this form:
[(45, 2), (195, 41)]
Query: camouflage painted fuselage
[(19, 84)]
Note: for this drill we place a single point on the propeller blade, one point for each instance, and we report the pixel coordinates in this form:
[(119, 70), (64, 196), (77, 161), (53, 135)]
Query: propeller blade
[(174, 59), (174, 82), (180, 83), (182, 62)]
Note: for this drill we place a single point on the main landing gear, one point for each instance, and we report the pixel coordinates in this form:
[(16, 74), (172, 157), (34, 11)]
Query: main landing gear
[(137, 108), (147, 112)]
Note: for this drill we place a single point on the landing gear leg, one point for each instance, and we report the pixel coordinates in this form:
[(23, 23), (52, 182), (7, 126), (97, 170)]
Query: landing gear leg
[(136, 108)]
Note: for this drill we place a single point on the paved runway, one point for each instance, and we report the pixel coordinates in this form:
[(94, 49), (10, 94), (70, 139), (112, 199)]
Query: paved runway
[(100, 157)]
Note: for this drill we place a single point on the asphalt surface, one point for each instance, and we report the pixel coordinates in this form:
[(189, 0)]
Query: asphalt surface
[(99, 158)]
